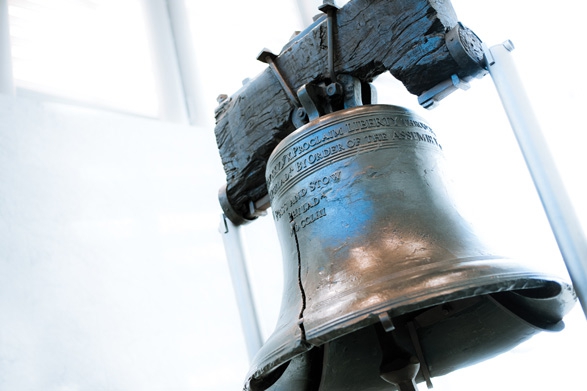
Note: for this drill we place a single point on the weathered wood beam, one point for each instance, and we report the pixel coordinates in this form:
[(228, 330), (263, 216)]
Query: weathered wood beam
[(404, 37)]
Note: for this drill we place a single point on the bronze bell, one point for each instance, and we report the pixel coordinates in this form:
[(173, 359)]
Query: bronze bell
[(385, 284)]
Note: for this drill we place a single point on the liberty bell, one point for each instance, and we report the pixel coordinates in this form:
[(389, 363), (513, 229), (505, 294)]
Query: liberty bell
[(385, 284)]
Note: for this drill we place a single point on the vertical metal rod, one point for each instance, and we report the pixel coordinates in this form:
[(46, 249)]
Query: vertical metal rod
[(330, 27), (6, 76), (563, 220), (240, 282), (269, 58), (330, 9)]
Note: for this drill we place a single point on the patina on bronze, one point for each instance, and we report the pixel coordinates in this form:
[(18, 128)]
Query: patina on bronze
[(420, 42), (382, 275)]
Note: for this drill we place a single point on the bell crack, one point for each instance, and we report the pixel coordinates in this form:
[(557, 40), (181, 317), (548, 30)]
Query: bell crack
[(300, 283)]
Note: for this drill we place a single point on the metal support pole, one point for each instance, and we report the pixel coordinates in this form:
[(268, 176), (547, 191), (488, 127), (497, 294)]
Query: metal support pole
[(240, 281), (6, 77), (563, 220)]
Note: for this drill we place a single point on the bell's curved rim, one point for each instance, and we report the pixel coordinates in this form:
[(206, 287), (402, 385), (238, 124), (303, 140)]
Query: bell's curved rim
[(486, 275), (564, 297), (455, 290)]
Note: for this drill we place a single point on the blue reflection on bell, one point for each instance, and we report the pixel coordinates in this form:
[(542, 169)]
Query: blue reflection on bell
[(385, 284)]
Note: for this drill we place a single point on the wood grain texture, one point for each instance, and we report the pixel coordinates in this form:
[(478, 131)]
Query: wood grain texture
[(404, 37)]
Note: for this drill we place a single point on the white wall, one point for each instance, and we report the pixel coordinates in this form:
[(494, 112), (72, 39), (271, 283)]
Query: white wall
[(112, 271)]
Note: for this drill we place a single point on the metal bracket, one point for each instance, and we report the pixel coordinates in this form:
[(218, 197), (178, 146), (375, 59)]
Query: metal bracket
[(319, 99), (430, 99), (313, 99), (299, 116), (259, 207), (330, 9), (471, 62)]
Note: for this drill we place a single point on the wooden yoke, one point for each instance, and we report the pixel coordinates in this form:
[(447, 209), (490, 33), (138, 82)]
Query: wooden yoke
[(415, 40)]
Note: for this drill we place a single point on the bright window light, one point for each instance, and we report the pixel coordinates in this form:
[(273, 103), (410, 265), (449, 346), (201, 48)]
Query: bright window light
[(88, 51)]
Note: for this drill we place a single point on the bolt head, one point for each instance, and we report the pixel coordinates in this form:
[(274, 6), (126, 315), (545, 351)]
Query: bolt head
[(509, 45), (333, 89), (327, 6), (266, 56)]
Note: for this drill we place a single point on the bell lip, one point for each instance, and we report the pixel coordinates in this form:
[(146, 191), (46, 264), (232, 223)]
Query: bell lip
[(284, 352), (269, 367), (484, 284), (286, 342)]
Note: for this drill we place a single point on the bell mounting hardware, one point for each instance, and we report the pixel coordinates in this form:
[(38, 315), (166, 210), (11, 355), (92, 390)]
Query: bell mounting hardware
[(385, 284)]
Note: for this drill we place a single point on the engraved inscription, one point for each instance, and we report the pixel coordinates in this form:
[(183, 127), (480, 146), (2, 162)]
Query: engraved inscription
[(325, 181), (403, 135), (373, 138), (297, 204), (304, 222), (308, 213), (314, 151), (303, 147), (325, 153), (389, 122)]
